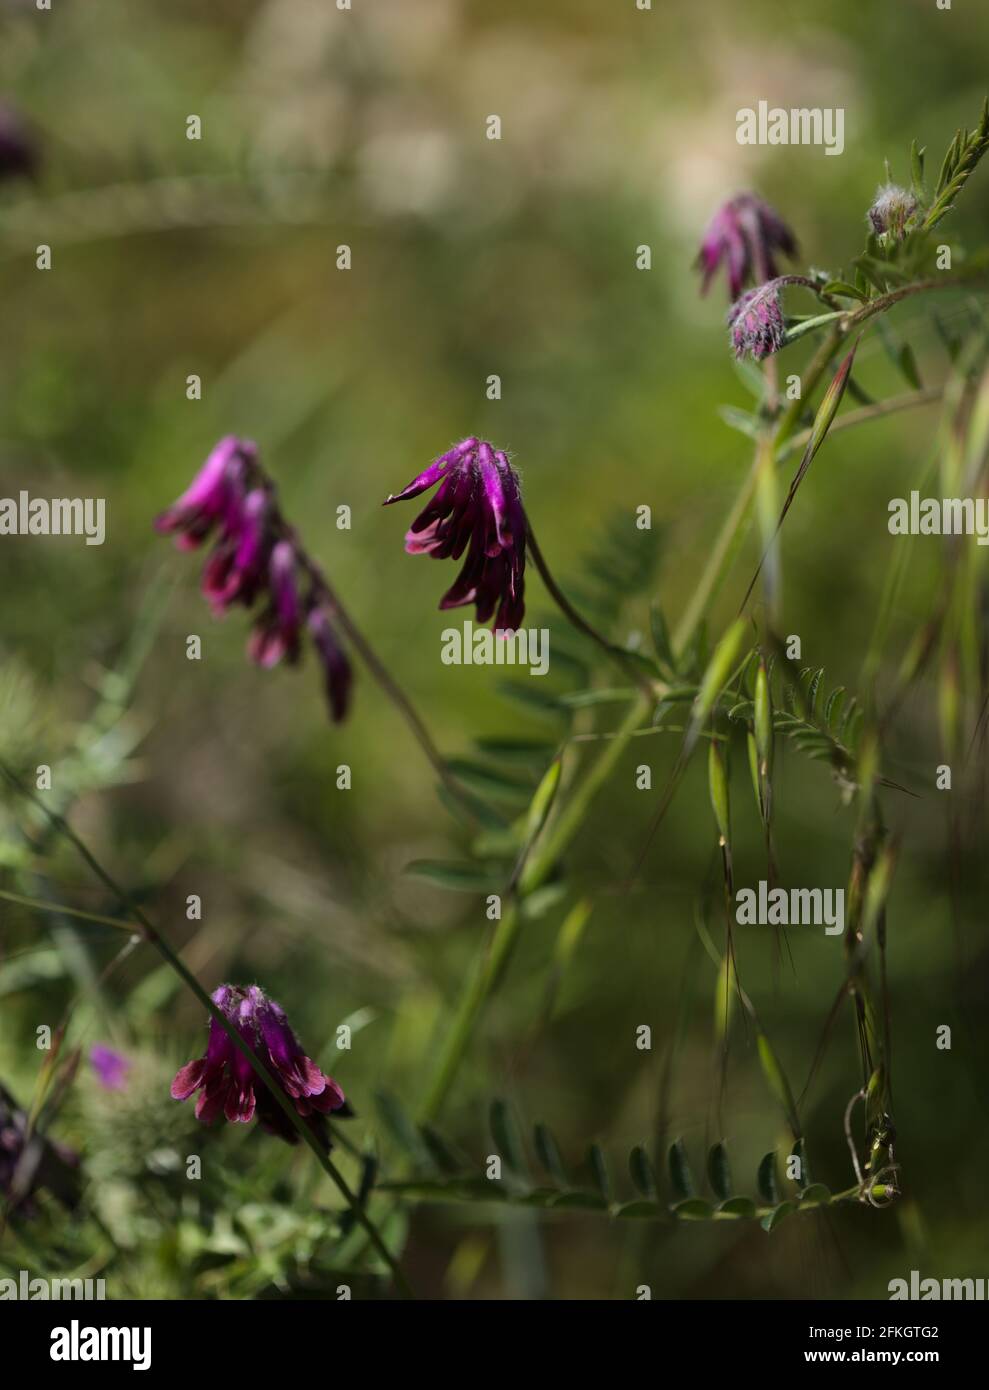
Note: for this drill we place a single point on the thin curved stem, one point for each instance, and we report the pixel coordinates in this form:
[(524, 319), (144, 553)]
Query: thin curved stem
[(385, 680), (876, 411), (370, 658), (886, 301), (719, 560), (618, 655), (40, 905), (733, 529)]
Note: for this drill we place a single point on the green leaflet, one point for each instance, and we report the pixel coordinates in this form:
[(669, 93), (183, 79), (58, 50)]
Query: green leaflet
[(719, 1172), (548, 1153), (459, 876), (773, 1218), (642, 1172), (681, 1178), (505, 1133), (766, 1180)]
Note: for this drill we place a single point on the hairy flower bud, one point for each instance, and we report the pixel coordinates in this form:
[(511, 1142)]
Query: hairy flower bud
[(756, 322), (893, 211)]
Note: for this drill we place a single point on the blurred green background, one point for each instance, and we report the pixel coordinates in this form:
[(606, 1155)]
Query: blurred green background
[(470, 257)]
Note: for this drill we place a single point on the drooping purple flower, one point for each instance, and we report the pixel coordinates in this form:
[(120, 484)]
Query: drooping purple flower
[(229, 1086), (18, 151), (744, 233), (756, 321), (477, 508), (256, 556), (235, 571), (893, 211), (215, 494), (276, 633), (111, 1067), (337, 675)]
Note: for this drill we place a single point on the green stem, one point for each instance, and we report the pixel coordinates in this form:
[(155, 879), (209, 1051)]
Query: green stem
[(618, 655), (480, 984), (718, 562), (809, 325), (440, 1192), (876, 411), (489, 969), (392, 690), (766, 511), (850, 318), (561, 831), (59, 910), (816, 368), (882, 302), (732, 531)]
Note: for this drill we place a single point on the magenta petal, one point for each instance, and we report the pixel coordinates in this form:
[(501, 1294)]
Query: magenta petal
[(330, 1098), (188, 1079), (239, 1106), (425, 480), (210, 1104), (337, 673)]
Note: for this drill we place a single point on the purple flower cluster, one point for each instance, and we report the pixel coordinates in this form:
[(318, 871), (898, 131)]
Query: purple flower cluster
[(744, 233), (756, 321), (477, 508), (255, 556), (229, 1086)]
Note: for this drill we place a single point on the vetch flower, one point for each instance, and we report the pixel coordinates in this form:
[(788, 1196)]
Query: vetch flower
[(236, 568), (228, 1084), (110, 1067), (744, 233), (276, 633), (893, 211), (337, 675), (478, 509), (257, 557), (756, 321), (214, 495)]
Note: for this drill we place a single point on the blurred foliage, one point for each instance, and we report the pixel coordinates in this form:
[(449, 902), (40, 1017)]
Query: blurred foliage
[(218, 257)]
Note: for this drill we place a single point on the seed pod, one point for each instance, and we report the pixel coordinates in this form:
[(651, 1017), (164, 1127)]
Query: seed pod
[(754, 768), (717, 777), (715, 677), (542, 801), (763, 738), (763, 721)]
